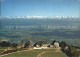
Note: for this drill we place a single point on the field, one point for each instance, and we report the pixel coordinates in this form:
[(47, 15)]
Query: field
[(54, 54), (70, 36), (16, 30), (38, 53)]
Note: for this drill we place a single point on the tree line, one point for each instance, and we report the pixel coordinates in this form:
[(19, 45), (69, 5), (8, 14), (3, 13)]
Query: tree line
[(70, 50), (8, 44)]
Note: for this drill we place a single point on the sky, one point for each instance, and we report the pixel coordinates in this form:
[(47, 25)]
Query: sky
[(40, 8)]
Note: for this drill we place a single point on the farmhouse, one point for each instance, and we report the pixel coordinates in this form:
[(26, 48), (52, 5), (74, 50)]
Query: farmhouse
[(51, 46), (46, 46), (29, 45), (55, 45), (39, 45)]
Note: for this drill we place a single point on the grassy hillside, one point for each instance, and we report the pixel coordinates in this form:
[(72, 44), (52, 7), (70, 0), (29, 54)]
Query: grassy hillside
[(35, 53), (54, 54)]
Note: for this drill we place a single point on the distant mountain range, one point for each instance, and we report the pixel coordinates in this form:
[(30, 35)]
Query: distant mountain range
[(40, 17)]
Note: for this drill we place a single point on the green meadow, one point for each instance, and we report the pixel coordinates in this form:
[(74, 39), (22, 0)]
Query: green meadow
[(36, 53)]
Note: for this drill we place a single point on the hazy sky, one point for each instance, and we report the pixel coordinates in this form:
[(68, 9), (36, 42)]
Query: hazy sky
[(40, 8)]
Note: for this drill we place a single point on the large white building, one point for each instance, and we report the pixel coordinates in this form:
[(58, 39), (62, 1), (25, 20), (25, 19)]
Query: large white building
[(56, 44)]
